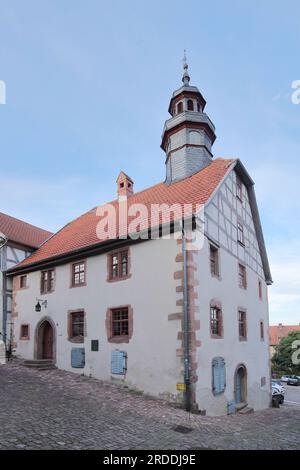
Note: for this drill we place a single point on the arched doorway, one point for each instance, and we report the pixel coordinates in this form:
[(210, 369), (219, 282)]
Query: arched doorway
[(240, 384), (45, 340)]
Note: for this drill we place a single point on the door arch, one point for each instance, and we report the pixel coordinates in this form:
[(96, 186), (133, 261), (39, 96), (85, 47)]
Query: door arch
[(240, 384), (45, 340)]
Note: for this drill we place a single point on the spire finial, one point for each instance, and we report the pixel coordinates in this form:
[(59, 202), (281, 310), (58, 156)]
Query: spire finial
[(185, 77)]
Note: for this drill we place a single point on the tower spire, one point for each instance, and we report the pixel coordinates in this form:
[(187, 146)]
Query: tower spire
[(185, 77)]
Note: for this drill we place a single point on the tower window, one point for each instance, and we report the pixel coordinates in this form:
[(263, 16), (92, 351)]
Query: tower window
[(198, 107), (190, 105), (180, 107)]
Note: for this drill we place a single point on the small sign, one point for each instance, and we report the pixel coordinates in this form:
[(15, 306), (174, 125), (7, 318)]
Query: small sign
[(180, 387)]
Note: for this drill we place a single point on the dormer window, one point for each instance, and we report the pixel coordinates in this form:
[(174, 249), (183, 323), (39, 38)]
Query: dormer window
[(180, 107), (190, 105)]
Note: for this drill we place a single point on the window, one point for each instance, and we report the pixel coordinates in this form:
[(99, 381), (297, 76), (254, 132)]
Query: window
[(262, 334), (216, 326), (23, 281), (47, 281), (214, 260), (239, 189), (119, 318), (240, 233), (242, 277), (24, 332), (218, 375), (242, 325), (260, 289), (78, 274), (190, 105), (180, 107), (118, 265), (76, 326), (198, 108)]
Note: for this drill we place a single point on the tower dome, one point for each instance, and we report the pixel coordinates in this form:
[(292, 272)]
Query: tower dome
[(189, 134)]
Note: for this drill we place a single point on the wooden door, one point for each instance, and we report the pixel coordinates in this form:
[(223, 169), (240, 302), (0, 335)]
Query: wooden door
[(48, 341)]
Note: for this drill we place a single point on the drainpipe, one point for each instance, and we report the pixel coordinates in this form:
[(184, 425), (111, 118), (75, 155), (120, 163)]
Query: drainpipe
[(186, 327)]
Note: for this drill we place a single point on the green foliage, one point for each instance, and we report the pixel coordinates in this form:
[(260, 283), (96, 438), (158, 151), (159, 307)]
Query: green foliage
[(282, 361)]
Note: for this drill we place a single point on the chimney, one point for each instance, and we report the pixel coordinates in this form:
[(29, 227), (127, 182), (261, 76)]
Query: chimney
[(124, 186)]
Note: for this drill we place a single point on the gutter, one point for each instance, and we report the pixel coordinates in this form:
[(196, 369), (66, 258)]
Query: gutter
[(186, 346)]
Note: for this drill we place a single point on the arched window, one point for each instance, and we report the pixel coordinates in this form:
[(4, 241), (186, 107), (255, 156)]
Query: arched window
[(190, 105), (180, 107), (198, 107)]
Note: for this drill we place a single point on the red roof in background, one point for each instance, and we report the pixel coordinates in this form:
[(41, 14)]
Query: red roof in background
[(81, 232), (21, 232), (276, 332)]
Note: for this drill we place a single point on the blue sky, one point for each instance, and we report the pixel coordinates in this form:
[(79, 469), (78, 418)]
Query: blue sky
[(88, 86)]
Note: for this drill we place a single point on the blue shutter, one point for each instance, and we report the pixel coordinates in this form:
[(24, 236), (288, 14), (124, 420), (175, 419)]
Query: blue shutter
[(118, 362), (218, 375), (78, 357)]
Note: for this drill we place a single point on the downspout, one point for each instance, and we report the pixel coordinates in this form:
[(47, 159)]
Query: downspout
[(186, 327)]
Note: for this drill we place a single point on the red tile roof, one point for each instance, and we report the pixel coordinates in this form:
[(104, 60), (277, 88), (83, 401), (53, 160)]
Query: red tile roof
[(276, 332), (21, 232), (81, 232)]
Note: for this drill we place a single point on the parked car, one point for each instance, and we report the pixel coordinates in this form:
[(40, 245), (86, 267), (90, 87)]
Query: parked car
[(277, 397), (290, 379)]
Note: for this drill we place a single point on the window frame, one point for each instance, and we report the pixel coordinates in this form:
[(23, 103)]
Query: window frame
[(218, 361), (242, 268), (76, 338), (190, 105), (242, 321), (214, 249), (73, 273), (261, 330), (50, 281), (23, 276), (240, 233), (26, 336), (216, 309), (119, 338), (118, 265)]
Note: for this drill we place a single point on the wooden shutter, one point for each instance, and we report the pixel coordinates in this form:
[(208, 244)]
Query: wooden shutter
[(118, 362), (218, 375), (78, 357)]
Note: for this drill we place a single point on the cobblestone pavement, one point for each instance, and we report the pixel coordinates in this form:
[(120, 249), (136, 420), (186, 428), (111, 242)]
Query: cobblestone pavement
[(60, 410)]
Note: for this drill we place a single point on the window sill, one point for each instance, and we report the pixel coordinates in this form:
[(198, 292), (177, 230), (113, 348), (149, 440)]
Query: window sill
[(76, 339), (118, 279), (242, 339), (119, 339), (216, 336), (24, 338), (72, 286)]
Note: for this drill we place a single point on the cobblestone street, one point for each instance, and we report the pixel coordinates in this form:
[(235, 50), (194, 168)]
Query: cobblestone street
[(59, 410)]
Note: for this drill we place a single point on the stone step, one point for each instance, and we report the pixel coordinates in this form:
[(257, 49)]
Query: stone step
[(41, 364), (245, 411)]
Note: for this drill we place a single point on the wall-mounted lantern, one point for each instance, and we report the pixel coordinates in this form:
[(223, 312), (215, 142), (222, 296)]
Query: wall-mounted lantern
[(39, 305)]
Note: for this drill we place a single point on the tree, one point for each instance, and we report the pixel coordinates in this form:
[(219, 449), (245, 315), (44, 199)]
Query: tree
[(286, 359)]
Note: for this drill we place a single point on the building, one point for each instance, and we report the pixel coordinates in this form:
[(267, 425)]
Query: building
[(179, 319), (277, 332), (19, 240)]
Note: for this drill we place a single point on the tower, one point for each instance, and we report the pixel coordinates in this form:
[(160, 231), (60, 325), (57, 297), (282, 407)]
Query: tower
[(189, 134)]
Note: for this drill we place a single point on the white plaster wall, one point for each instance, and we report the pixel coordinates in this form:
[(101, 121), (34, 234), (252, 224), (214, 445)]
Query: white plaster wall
[(152, 363), (220, 224), (253, 353)]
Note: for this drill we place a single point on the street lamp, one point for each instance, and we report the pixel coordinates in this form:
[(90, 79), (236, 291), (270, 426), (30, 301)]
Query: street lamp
[(39, 305)]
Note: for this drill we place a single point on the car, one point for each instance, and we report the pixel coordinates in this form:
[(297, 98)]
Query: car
[(276, 381), (290, 379)]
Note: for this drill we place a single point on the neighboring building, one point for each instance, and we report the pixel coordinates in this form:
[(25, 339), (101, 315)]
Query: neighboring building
[(154, 314), (277, 332), (21, 240)]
